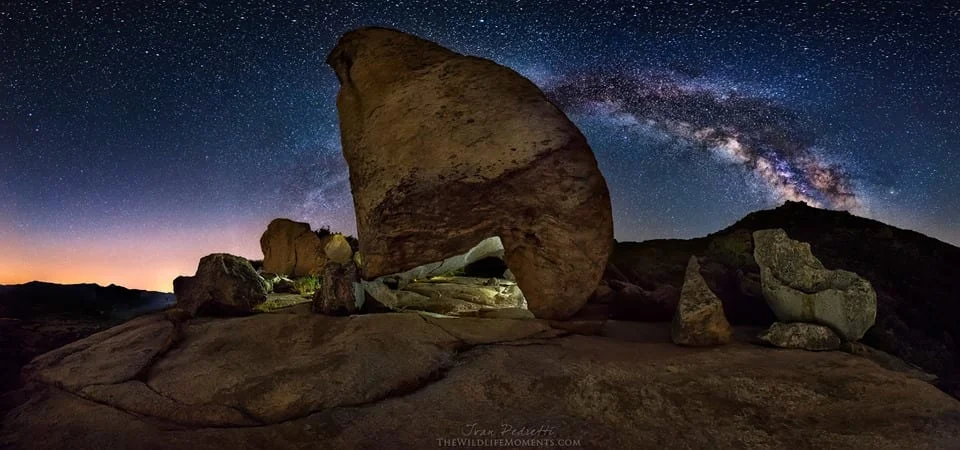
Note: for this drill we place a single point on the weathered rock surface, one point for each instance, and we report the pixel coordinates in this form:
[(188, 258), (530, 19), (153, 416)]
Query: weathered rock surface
[(800, 289), (699, 320), (806, 336), (299, 380), (291, 248), (452, 296), (280, 301), (223, 284), (507, 313), (338, 291), (444, 145)]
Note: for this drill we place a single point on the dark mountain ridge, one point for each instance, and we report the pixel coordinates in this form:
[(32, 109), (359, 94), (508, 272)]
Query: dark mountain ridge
[(37, 317), (37, 298)]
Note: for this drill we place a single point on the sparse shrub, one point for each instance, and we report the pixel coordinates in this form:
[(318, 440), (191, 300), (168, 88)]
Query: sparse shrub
[(307, 285), (323, 232)]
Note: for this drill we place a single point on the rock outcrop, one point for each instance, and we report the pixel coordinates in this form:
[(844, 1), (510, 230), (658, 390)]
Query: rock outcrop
[(292, 249), (339, 289), (300, 380), (446, 150), (223, 284), (800, 289), (914, 277), (806, 336), (699, 320)]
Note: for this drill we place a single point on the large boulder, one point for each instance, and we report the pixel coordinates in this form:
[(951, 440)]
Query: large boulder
[(337, 249), (223, 284), (699, 320), (800, 289), (446, 150), (291, 248)]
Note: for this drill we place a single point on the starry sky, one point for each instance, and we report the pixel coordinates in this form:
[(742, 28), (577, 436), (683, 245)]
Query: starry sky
[(136, 137)]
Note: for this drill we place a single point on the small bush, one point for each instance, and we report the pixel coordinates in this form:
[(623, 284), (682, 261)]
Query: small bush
[(257, 264), (307, 285), (323, 232)]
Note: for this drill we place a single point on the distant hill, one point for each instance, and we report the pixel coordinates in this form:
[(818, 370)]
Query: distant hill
[(36, 298), (917, 278), (37, 317)]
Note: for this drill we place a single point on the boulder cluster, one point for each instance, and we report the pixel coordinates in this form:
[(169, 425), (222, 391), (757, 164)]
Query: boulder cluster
[(446, 154), (480, 208), (816, 308)]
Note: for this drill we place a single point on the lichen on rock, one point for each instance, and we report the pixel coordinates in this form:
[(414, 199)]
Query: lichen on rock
[(807, 336), (699, 320), (799, 288)]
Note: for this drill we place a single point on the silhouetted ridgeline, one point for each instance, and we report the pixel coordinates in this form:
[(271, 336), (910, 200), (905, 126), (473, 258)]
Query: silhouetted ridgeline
[(916, 277), (37, 317), (33, 299)]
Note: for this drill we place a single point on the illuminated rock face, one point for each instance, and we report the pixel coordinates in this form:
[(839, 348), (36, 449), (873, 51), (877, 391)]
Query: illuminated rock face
[(446, 150), (291, 248), (223, 284)]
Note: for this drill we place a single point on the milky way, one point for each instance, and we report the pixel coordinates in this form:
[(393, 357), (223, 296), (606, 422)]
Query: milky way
[(137, 137), (734, 126)]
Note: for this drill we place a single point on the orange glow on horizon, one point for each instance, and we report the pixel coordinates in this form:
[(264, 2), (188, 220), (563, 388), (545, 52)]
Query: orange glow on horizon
[(132, 260)]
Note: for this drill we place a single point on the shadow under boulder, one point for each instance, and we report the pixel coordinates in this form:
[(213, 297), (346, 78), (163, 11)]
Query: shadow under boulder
[(472, 284)]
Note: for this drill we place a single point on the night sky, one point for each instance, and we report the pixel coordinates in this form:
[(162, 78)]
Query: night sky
[(137, 137)]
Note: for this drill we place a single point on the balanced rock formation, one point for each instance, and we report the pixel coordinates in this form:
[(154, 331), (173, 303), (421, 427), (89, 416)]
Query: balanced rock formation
[(223, 284), (806, 336), (699, 320), (338, 249), (446, 150), (292, 249), (800, 289)]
